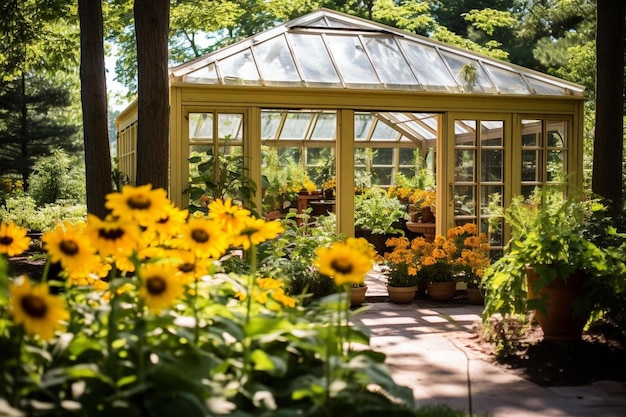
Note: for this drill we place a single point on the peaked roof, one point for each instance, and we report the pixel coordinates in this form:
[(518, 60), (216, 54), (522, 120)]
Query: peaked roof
[(329, 49)]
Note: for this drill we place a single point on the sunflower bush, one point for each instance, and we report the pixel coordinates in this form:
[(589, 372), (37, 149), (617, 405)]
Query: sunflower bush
[(145, 319)]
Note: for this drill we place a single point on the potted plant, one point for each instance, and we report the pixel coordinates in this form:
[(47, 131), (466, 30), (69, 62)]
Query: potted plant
[(472, 259), (549, 265), (379, 213)]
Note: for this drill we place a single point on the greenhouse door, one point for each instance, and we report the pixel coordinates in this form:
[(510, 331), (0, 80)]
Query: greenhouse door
[(478, 157)]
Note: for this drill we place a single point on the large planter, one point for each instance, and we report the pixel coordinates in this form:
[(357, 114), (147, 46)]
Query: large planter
[(357, 295), (427, 215), (441, 291), (402, 295), (475, 296), (378, 240), (559, 321)]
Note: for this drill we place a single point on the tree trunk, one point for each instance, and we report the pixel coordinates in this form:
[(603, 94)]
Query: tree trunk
[(152, 30), (609, 135), (94, 101)]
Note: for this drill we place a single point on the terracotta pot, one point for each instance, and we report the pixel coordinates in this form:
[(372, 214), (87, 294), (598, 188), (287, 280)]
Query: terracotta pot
[(427, 215), (441, 291), (475, 296), (402, 295), (357, 295), (559, 321)]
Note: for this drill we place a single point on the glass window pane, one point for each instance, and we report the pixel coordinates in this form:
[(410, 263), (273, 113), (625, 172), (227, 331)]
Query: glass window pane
[(464, 200), (556, 134), (313, 59), (464, 165), (317, 156), (486, 191), (289, 154), (350, 57), (492, 133), (542, 87), (296, 126), (465, 132), (530, 161), (491, 165), (508, 81), (531, 132), (207, 74), (388, 60), (230, 126), (382, 175), (238, 68), (383, 156), (200, 126), (325, 127), (407, 157), (429, 67), (556, 166), (269, 124), (362, 125), (275, 60)]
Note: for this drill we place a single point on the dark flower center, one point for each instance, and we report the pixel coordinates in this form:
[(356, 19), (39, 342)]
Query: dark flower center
[(34, 306), (6, 240), (156, 285), (164, 220), (139, 202), (112, 234), (186, 267), (200, 236), (342, 266), (69, 247)]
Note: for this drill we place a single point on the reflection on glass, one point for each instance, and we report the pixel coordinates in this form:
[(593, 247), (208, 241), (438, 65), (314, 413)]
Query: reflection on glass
[(350, 57), (428, 66), (464, 165), (239, 67), (313, 59), (296, 125), (465, 132), (491, 165), (464, 200), (556, 134), (275, 60), (390, 64), (269, 124), (555, 169), (230, 126), (491, 133), (507, 81), (200, 126), (456, 64), (530, 170), (362, 125)]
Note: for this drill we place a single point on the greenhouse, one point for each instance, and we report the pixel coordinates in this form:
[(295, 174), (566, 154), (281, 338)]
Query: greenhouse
[(334, 102)]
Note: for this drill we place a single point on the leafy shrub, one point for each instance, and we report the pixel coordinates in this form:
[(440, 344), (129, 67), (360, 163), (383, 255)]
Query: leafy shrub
[(57, 177), (22, 210)]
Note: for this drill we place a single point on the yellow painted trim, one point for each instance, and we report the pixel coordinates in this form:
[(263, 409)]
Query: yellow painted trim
[(176, 154), (344, 153), (252, 151)]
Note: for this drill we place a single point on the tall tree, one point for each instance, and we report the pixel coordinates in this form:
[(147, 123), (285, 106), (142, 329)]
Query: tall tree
[(152, 29), (609, 134), (94, 101)]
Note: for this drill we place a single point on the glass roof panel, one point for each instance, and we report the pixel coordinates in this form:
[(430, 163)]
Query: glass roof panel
[(325, 127), (380, 63), (456, 64), (275, 60), (351, 59), (270, 121), (206, 74), (384, 132), (388, 60), (508, 82), (362, 125), (296, 126), (429, 67), (239, 68), (313, 59)]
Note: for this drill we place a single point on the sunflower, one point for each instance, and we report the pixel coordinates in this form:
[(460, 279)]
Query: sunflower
[(112, 236), (33, 307), (67, 244), (204, 238), (168, 226), (343, 263), (141, 204), (13, 239), (161, 285), (256, 231), (231, 219)]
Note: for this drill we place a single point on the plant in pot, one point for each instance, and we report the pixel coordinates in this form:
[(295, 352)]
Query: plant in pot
[(436, 266), (380, 214), (549, 265), (401, 274), (472, 259)]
